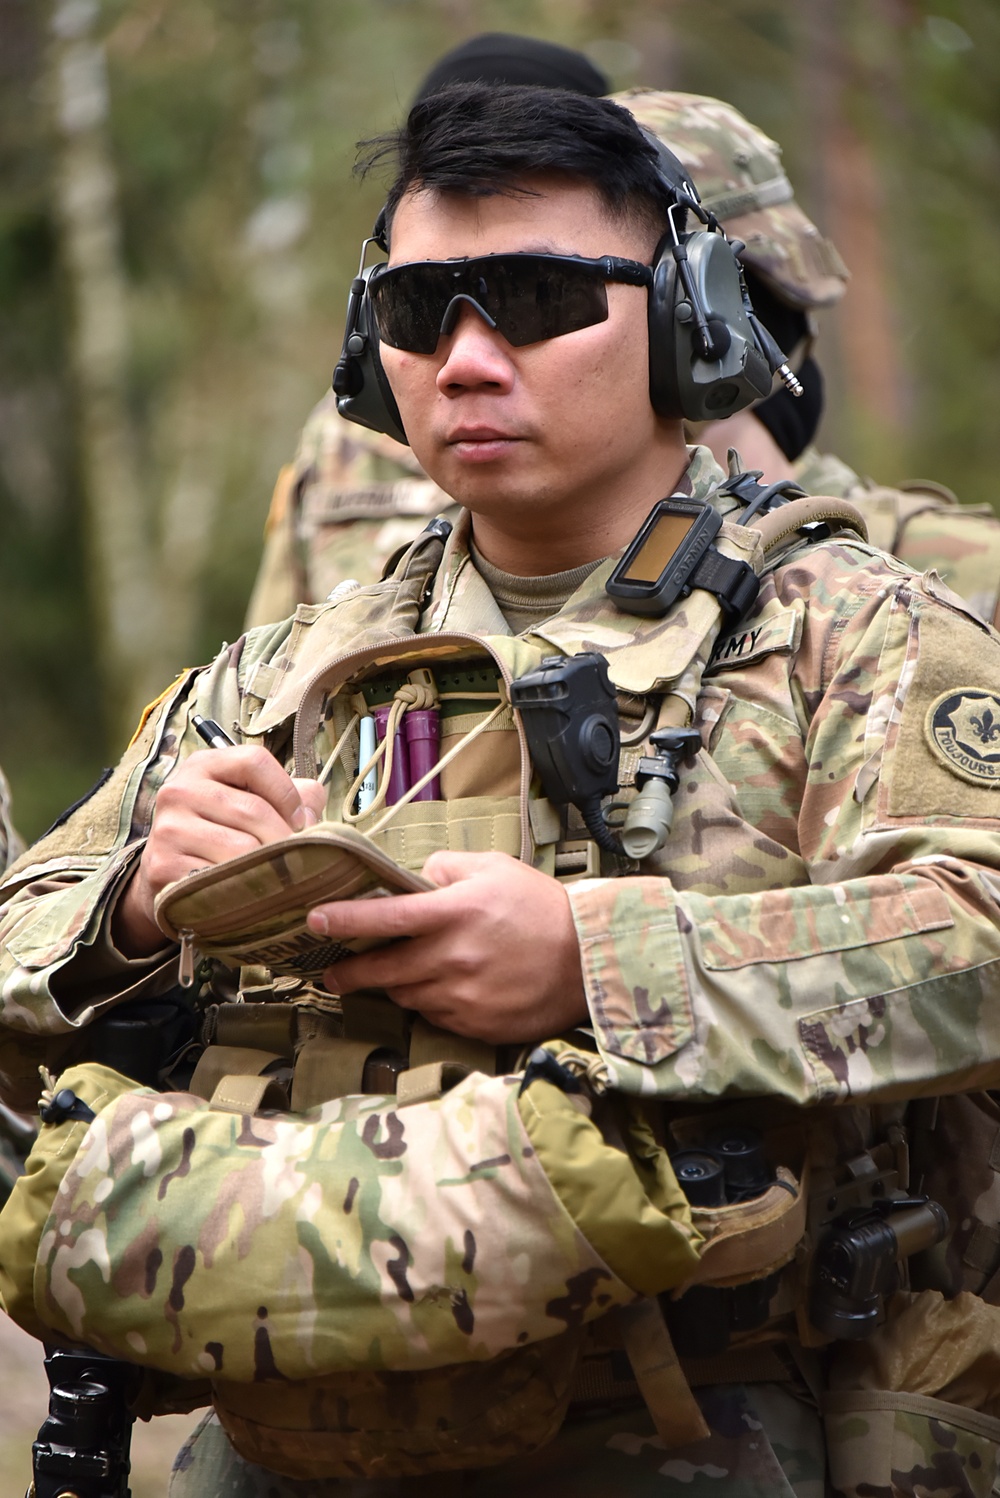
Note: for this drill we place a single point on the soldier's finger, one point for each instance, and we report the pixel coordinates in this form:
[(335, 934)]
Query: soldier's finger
[(403, 964), (388, 916), (313, 797), (190, 814), (249, 770)]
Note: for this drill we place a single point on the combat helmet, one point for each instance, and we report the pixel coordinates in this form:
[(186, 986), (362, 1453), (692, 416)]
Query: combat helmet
[(738, 172)]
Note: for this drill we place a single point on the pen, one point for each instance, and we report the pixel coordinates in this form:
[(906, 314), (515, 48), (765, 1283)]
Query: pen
[(214, 736), (366, 748)]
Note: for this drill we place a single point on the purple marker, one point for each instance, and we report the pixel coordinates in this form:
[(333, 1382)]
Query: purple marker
[(423, 740), (399, 779)]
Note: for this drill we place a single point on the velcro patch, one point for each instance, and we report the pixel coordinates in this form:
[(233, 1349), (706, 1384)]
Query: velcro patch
[(931, 743), (963, 730), (749, 642)]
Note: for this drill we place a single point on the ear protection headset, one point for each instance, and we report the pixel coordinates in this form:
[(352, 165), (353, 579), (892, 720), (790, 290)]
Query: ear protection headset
[(709, 356), (362, 390)]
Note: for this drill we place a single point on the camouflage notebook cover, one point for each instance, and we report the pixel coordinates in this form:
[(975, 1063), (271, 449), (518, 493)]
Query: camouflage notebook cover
[(252, 909)]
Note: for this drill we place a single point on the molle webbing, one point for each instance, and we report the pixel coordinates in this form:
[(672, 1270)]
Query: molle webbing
[(332, 1056)]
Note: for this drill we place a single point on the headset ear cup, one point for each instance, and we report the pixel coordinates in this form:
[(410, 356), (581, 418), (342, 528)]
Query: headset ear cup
[(684, 381), (393, 426), (668, 340), (364, 394)]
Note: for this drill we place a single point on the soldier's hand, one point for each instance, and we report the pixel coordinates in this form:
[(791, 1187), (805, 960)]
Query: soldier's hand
[(492, 953), (217, 804)]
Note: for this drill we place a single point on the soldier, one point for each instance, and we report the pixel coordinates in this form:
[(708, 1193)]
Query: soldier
[(351, 497), (382, 1291), (793, 272)]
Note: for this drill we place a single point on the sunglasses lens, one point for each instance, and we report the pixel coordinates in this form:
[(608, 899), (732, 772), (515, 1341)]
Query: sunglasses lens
[(409, 303), (534, 298), (529, 297)]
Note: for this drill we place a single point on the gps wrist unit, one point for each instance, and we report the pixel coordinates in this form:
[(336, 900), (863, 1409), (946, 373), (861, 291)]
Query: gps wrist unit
[(672, 554)]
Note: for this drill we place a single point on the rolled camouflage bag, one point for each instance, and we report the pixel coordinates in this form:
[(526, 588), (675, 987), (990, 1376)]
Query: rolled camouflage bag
[(361, 1235), (369, 1287), (407, 1285)]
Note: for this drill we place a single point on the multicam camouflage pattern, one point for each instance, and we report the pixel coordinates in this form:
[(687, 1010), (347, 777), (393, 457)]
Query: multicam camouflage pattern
[(765, 1442), (348, 501), (821, 929), (923, 524), (433, 1229), (739, 176), (915, 1408), (10, 844), (777, 890)]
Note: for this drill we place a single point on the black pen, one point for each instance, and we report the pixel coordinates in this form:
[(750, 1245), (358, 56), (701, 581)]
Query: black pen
[(214, 736)]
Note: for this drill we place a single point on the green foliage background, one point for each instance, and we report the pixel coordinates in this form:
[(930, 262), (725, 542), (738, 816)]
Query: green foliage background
[(232, 130)]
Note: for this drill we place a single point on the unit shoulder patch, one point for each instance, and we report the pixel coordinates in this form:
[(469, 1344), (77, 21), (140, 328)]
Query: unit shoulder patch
[(963, 730)]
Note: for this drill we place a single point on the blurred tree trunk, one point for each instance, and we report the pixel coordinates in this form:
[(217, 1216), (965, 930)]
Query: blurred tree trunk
[(847, 181), (133, 594)]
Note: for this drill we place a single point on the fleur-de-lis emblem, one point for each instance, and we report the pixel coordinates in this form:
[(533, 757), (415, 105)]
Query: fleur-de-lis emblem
[(987, 727)]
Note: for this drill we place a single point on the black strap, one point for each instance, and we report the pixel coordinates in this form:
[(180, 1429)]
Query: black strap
[(734, 583)]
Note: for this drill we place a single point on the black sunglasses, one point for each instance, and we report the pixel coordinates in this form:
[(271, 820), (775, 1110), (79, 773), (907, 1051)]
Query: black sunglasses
[(527, 298)]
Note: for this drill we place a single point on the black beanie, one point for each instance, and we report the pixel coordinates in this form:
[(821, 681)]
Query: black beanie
[(792, 419), (498, 57)]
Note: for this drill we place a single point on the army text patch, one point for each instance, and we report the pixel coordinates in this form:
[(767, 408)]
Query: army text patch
[(963, 729)]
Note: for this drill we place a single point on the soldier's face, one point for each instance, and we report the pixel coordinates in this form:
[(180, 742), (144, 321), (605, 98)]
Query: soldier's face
[(555, 429)]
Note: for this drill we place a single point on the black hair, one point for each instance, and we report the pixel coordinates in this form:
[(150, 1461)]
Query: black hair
[(501, 57), (484, 140)]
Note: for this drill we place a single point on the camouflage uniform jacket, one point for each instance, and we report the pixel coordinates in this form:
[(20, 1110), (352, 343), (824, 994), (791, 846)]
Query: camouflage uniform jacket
[(822, 927), (828, 834), (349, 499), (10, 844), (923, 524)]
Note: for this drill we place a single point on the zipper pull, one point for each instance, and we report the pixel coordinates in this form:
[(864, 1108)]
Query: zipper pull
[(185, 968)]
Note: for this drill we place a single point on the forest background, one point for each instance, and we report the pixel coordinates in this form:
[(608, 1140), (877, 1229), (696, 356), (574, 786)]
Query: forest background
[(179, 225)]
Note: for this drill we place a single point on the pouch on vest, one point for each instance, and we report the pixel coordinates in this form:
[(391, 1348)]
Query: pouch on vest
[(481, 793), (470, 1415), (615, 1183), (916, 1407)]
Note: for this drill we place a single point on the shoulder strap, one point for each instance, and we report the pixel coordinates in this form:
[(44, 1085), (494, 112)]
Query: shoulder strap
[(788, 521)]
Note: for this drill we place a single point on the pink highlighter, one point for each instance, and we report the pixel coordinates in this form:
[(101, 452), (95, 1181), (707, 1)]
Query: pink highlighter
[(399, 778), (423, 740)]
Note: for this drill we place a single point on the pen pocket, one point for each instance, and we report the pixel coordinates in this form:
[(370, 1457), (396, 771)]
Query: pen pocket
[(454, 719)]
